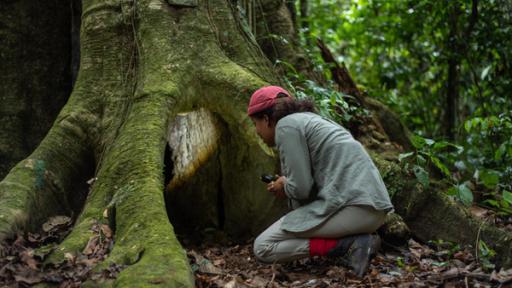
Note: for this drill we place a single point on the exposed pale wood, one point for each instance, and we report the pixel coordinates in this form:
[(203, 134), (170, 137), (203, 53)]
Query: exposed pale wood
[(193, 138)]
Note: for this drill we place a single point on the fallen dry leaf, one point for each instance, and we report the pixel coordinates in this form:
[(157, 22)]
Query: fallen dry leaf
[(19, 266), (452, 273), (91, 245), (28, 280), (504, 276), (105, 229), (479, 212), (258, 281), (56, 222), (27, 257), (236, 283), (70, 257), (418, 250), (219, 262)]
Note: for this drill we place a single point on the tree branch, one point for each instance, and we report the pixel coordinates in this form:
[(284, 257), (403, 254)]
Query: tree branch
[(339, 73)]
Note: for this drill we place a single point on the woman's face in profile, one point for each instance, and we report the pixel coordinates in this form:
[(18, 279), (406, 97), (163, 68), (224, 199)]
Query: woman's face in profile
[(265, 130)]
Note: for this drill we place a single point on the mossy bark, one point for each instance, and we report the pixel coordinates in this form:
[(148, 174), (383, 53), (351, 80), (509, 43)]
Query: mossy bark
[(142, 63)]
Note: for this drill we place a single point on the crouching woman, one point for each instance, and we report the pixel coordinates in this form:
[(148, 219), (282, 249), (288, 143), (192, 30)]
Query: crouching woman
[(336, 192)]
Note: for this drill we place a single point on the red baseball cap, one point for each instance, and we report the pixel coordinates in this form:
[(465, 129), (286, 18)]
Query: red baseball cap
[(265, 98)]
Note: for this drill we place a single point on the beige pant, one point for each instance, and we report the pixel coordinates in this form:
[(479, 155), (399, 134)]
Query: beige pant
[(277, 245)]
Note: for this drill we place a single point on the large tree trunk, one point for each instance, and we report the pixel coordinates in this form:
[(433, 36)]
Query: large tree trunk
[(157, 115), (142, 63)]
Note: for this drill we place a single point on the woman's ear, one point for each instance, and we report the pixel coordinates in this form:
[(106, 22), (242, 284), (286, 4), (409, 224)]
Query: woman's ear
[(268, 121)]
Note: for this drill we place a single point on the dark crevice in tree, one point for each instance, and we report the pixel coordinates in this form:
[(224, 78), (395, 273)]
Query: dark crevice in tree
[(76, 20), (168, 175), (221, 214), (78, 197), (112, 219), (168, 171)]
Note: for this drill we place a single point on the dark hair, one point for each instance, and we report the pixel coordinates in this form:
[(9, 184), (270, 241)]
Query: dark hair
[(285, 106)]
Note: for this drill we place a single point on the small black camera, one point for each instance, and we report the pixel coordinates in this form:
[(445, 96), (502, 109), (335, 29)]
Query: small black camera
[(267, 178)]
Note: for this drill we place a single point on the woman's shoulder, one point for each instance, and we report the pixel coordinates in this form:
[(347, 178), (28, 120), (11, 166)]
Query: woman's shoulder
[(297, 119)]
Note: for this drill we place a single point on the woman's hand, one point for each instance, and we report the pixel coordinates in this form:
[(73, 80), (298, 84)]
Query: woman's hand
[(277, 187)]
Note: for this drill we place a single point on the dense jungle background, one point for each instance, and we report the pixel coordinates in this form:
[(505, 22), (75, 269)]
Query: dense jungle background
[(127, 158), (444, 67)]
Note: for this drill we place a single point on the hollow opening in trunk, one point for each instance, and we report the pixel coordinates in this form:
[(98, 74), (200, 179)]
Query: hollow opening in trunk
[(193, 178)]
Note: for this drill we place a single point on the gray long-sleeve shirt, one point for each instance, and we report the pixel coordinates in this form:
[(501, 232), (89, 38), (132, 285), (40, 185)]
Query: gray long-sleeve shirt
[(326, 169)]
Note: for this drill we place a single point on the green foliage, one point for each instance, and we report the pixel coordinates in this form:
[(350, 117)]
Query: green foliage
[(400, 52), (462, 192), (449, 248), (329, 102), (490, 148), (486, 255), (488, 158), (427, 156), (457, 164), (400, 262)]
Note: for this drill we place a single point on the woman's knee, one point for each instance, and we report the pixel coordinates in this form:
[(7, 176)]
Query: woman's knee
[(262, 249)]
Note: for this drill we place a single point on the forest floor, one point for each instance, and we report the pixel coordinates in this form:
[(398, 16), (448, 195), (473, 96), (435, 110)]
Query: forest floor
[(410, 265), (219, 262)]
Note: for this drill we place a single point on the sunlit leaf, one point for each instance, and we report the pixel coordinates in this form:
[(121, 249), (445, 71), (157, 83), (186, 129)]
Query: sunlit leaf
[(460, 165), (467, 125), (422, 175), (485, 72), (440, 145), (453, 191), (437, 162), (485, 250), (465, 194), (421, 160), (507, 196), (502, 150), (418, 142), (491, 202), (400, 262), (429, 142), (402, 156), (490, 178), (439, 264)]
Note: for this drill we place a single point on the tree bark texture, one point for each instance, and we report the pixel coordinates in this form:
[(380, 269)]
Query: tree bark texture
[(157, 116), (142, 63)]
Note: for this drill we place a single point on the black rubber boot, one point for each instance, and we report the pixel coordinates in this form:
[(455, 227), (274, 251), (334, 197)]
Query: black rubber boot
[(356, 251)]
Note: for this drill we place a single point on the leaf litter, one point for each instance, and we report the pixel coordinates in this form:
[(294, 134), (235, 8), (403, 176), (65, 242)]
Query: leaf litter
[(225, 264), (22, 261), (221, 263)]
